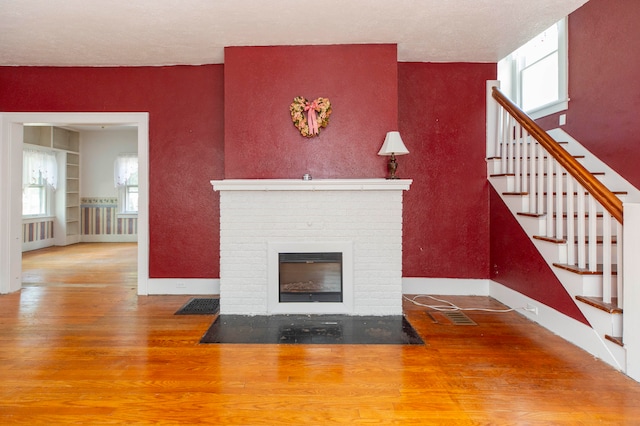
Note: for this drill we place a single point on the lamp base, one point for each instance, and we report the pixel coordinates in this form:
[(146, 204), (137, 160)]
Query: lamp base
[(392, 167)]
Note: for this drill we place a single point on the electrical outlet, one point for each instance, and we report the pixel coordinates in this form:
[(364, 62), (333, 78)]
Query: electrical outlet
[(181, 284), (532, 308), (562, 120)]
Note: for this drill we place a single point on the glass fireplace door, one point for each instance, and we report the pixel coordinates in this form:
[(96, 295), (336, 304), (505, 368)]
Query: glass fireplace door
[(310, 277)]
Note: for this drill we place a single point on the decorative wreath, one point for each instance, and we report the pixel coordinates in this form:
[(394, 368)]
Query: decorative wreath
[(317, 117)]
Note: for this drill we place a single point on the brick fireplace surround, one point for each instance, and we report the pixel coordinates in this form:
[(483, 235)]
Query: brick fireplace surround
[(362, 218)]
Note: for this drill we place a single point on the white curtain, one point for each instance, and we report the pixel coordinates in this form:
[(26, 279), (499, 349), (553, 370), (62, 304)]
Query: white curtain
[(37, 164), (126, 170)]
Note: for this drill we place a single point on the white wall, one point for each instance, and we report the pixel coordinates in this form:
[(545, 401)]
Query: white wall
[(99, 149)]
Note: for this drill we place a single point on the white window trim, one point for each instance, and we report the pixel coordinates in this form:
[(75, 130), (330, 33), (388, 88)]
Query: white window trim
[(48, 189), (48, 208), (562, 104), (121, 179), (122, 212)]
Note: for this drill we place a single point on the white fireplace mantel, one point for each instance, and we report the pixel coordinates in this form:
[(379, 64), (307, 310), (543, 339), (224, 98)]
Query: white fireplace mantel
[(311, 185)]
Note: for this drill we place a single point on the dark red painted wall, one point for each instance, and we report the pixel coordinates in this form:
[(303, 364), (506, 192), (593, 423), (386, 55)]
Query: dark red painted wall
[(604, 88), (517, 264), (446, 229), (260, 84), (446, 211), (185, 106)]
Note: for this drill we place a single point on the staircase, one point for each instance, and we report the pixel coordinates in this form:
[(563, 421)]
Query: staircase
[(559, 193)]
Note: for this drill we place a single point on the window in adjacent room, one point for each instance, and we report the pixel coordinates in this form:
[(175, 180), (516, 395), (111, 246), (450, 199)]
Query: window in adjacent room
[(535, 75), (39, 180), (126, 180)]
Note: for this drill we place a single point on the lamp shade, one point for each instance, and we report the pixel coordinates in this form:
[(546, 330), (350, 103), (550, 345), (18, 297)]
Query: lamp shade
[(393, 145)]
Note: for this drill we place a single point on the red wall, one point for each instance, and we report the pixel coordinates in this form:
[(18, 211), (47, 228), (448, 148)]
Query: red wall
[(261, 141), (517, 264), (185, 106), (446, 211), (604, 88), (441, 117)]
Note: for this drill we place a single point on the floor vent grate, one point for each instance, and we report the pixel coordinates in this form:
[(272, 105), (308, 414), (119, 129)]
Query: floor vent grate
[(200, 306), (459, 318)]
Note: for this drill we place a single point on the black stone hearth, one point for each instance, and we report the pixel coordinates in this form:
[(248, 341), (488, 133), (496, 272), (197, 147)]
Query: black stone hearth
[(312, 329)]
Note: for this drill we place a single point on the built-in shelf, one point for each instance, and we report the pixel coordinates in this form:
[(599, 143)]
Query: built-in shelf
[(68, 201), (66, 144), (52, 137)]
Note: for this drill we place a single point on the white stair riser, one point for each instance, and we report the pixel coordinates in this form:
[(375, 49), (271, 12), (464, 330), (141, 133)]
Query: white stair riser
[(559, 251), (579, 285), (532, 225), (613, 226), (543, 207), (496, 166), (538, 225), (525, 186), (610, 324), (599, 259), (552, 250), (618, 352), (516, 203), (500, 184), (552, 233)]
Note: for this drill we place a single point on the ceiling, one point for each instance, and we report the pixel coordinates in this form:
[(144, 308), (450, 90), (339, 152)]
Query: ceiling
[(172, 32)]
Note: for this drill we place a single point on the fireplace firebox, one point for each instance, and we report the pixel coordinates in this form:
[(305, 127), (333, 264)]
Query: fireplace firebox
[(310, 277)]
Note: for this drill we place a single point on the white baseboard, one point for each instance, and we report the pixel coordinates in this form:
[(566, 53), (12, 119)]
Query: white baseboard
[(581, 335), (196, 286), (35, 245), (449, 286), (111, 238), (573, 331)]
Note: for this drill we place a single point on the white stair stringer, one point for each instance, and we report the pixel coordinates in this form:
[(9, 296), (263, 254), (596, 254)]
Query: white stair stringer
[(575, 284), (603, 323)]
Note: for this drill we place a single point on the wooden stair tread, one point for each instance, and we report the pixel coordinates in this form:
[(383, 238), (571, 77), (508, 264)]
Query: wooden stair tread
[(599, 239), (597, 302), (615, 339), (575, 193), (565, 173), (544, 174), (545, 158), (531, 214), (550, 239), (575, 215), (554, 193), (580, 156), (585, 271)]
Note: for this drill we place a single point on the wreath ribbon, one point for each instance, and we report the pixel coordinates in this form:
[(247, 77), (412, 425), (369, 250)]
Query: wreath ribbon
[(312, 118)]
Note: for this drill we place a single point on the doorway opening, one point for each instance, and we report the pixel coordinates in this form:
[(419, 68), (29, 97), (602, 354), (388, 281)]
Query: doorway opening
[(11, 148)]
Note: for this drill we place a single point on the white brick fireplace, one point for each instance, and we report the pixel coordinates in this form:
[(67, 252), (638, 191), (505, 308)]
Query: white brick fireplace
[(360, 218)]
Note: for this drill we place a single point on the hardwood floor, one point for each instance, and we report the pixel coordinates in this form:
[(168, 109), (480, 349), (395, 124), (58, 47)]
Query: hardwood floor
[(77, 345)]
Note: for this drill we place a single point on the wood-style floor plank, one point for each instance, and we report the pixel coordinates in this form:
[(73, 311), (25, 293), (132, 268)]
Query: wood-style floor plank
[(77, 345)]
